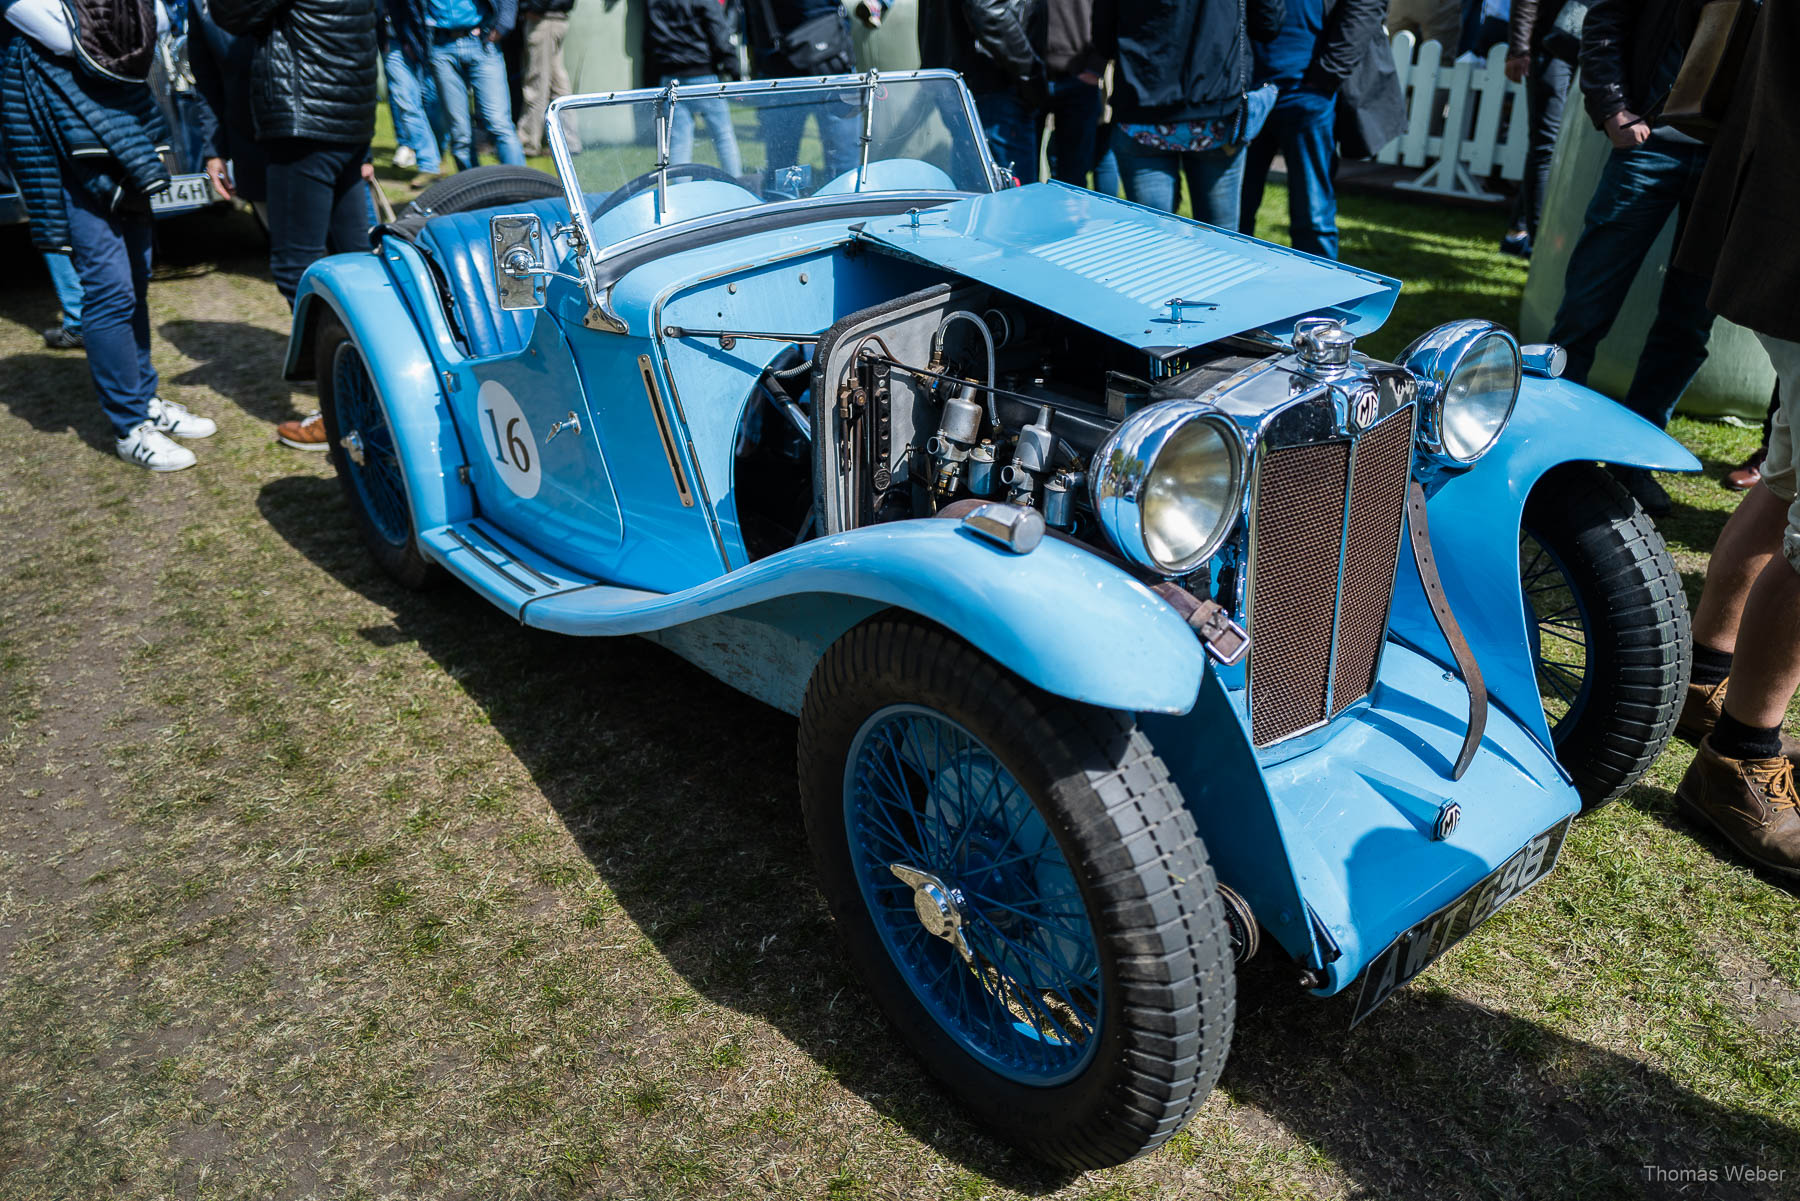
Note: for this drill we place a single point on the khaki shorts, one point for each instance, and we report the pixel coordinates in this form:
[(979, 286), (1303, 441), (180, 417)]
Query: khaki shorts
[(1778, 473)]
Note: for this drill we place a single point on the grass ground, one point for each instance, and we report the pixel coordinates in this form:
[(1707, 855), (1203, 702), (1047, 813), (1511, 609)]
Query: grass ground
[(312, 887)]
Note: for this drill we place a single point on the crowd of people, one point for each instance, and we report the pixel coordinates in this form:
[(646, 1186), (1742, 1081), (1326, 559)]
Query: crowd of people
[(1203, 94)]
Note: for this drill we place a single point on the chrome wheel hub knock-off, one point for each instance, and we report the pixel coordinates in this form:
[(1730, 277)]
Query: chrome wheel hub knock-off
[(938, 906)]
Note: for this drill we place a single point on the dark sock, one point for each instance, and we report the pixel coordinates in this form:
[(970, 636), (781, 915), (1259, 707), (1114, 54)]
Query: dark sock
[(1710, 666), (1735, 740)]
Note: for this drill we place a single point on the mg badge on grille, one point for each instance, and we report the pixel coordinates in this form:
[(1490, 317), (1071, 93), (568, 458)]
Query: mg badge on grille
[(1365, 407)]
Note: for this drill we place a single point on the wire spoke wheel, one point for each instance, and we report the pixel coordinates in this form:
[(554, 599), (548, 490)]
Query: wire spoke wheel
[(1562, 645), (1020, 884), (368, 446), (1607, 626), (1014, 974)]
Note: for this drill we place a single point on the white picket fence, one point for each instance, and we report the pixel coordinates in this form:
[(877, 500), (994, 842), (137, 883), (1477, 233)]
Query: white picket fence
[(1455, 115)]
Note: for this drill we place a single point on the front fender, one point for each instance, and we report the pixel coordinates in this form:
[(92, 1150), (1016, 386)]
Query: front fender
[(358, 289), (1475, 517), (1060, 617)]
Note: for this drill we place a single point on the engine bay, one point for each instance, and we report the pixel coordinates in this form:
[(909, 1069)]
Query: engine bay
[(952, 393)]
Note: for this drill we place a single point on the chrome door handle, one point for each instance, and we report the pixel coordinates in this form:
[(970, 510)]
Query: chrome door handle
[(571, 423)]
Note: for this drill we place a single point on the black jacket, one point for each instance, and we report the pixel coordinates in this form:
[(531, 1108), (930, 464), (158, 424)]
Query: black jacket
[(313, 74), (996, 45), (1352, 28), (1622, 45), (1181, 60), (546, 7), (1740, 230), (688, 37)]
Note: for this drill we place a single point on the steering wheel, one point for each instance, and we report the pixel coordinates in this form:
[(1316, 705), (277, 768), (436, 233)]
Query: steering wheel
[(647, 180)]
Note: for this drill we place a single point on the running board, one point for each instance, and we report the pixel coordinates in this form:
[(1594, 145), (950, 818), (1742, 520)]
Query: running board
[(505, 573)]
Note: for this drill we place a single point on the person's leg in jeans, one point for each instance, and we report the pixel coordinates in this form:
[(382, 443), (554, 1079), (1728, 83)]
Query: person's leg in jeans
[(840, 136), (1215, 180), (1546, 94), (317, 203), (1076, 107), (1258, 156), (1676, 344), (1106, 162), (412, 120), (1011, 132), (1150, 177), (1638, 189), (486, 66), (716, 112), (111, 254), (1309, 144), (67, 282), (453, 89)]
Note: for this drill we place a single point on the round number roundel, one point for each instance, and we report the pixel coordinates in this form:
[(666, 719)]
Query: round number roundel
[(511, 447)]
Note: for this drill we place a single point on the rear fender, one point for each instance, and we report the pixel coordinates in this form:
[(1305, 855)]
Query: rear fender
[(1475, 517), (360, 291), (1060, 617)]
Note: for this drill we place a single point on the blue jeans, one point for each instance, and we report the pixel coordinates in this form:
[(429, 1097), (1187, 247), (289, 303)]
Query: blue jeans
[(471, 62), (1011, 130), (1076, 107), (67, 282), (1638, 190), (1215, 178), (782, 128), (418, 117), (112, 256), (1106, 163), (1303, 128), (318, 202), (717, 115)]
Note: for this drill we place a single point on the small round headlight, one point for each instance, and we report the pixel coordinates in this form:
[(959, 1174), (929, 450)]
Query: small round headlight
[(1168, 485), (1471, 370)]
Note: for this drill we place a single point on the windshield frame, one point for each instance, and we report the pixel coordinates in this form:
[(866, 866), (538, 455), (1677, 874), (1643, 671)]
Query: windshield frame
[(590, 256)]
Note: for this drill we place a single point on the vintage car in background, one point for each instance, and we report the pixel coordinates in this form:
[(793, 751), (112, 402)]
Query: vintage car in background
[(1133, 618)]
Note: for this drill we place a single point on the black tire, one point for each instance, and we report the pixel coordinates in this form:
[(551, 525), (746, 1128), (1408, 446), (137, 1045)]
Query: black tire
[(1164, 956), (1601, 574), (484, 187), (397, 551)]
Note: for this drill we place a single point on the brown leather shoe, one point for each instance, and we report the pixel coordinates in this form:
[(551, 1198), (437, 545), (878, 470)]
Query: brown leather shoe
[(1700, 713), (1747, 474), (1752, 802), (308, 433)]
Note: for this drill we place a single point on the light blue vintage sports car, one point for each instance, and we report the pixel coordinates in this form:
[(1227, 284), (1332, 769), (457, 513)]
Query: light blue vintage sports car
[(1132, 617)]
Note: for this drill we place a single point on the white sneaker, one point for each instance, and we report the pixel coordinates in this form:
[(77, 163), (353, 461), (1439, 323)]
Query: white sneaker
[(147, 447), (168, 417), (405, 159)]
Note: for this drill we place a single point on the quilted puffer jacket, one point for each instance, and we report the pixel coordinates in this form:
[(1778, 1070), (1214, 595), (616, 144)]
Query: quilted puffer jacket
[(60, 123), (313, 74)]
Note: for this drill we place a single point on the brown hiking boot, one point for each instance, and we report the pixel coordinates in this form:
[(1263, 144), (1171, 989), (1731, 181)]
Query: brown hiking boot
[(1700, 713), (1751, 802)]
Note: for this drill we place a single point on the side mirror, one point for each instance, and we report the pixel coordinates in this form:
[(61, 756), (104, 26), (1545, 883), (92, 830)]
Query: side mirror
[(519, 267)]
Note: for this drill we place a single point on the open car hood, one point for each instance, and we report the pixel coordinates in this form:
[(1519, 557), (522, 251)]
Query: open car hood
[(1115, 266)]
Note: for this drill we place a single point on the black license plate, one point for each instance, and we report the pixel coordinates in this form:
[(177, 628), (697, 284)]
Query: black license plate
[(1418, 948)]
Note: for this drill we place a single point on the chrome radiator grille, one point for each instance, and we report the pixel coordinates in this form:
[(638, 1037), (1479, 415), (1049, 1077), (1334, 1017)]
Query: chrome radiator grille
[(1325, 544)]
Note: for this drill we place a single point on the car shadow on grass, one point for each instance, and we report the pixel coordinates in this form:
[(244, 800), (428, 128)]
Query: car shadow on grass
[(681, 793), (241, 362)]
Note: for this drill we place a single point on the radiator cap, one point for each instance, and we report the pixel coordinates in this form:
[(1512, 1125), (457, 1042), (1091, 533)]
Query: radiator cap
[(1323, 342)]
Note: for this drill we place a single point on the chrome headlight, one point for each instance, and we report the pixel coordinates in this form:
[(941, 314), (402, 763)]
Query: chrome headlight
[(1470, 372), (1168, 485)]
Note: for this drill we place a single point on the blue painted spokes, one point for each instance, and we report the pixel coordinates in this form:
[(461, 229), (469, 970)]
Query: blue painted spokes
[(972, 895), (377, 475), (1561, 643)]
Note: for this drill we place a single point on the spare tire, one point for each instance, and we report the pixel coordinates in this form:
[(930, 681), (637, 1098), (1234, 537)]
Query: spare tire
[(483, 187)]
